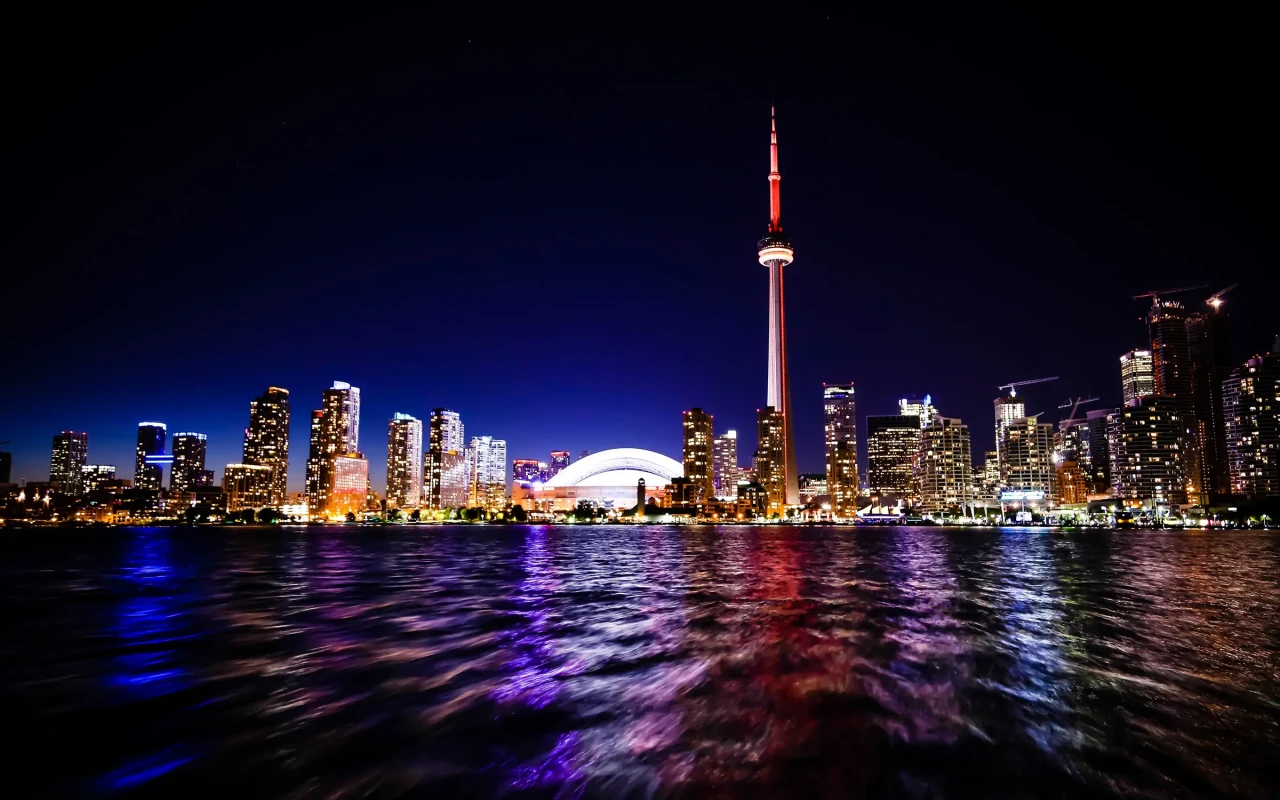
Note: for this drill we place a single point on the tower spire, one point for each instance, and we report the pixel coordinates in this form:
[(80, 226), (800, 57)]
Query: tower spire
[(775, 177)]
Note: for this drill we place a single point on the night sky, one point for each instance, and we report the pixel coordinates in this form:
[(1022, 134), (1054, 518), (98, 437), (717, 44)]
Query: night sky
[(548, 222)]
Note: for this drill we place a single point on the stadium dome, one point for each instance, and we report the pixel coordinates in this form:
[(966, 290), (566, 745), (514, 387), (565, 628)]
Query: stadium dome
[(620, 467)]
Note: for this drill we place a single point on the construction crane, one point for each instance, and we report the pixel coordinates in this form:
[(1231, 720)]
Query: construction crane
[(1074, 405), (1216, 300), (1155, 296), (1013, 387)]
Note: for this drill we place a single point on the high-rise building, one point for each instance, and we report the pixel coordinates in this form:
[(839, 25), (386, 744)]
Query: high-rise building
[(771, 458), (446, 472), (1173, 377), (893, 444), (1026, 456), (559, 460), (1145, 442), (188, 470), (151, 440), (1137, 378), (1251, 407), (1007, 409), (349, 490), (70, 454), (266, 440), (404, 462), (1210, 365), (1098, 471), (247, 486), (813, 486), (726, 464), (945, 466), (920, 408), (776, 252), (335, 431), (526, 471), (93, 477), (697, 430), (840, 429), (487, 468), (1071, 484)]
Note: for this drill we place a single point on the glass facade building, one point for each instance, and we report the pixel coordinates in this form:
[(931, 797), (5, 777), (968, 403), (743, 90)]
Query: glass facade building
[(69, 455), (404, 462), (266, 440), (726, 464), (188, 470), (697, 431), (893, 444), (840, 431), (151, 442)]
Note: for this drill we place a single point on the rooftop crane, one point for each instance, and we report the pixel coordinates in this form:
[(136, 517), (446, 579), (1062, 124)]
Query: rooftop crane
[(1155, 296), (1013, 387), (1216, 299), (1074, 405)]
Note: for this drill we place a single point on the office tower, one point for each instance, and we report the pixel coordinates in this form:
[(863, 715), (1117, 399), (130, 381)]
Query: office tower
[(446, 472), (1210, 365), (920, 408), (1007, 410), (151, 440), (266, 440), (487, 467), (6, 467), (1173, 377), (70, 454), (726, 464), (1137, 375), (248, 486), (771, 459), (349, 492), (1145, 441), (1098, 474), (1071, 442), (697, 428), (1251, 405), (559, 460), (840, 430), (404, 462), (945, 466), (94, 477), (188, 470), (1026, 457), (776, 252), (335, 431), (526, 471), (893, 444)]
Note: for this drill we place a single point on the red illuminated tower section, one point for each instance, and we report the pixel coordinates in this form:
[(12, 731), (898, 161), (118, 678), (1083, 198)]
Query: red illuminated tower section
[(775, 253)]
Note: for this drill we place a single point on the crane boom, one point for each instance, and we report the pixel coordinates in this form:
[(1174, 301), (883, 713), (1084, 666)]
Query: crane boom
[(1013, 387), (1156, 295), (1074, 405), (1215, 300)]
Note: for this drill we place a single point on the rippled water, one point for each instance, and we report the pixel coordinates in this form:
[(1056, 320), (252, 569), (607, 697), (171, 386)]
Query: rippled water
[(583, 662)]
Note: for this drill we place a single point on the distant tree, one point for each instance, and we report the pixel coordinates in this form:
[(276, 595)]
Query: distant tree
[(585, 510), (268, 516), (518, 514), (395, 515), (416, 516), (200, 512), (351, 516), (474, 514)]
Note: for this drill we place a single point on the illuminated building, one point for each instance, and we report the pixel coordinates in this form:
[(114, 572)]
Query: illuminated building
[(247, 486), (697, 429), (1098, 470), (726, 464), (526, 470), (770, 461), (188, 470), (559, 460), (487, 473), (69, 456), (776, 252), (151, 440), (1137, 376), (1145, 443), (1172, 377), (349, 492), (94, 477), (1210, 366), (813, 486), (920, 408), (1251, 403), (753, 500), (1071, 484), (404, 462), (266, 440), (1026, 456), (893, 444), (335, 431), (840, 426), (446, 472), (608, 479), (945, 466), (1007, 410)]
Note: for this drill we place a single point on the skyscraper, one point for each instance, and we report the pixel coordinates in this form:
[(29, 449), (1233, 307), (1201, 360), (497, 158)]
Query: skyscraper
[(893, 444), (776, 252), (1007, 409), (920, 408), (1098, 472), (349, 489), (1173, 377), (151, 440), (1026, 457), (1145, 444), (446, 473), (188, 469), (726, 464), (69, 456), (1137, 378), (266, 440), (487, 467), (840, 427), (697, 430), (335, 431), (1251, 406), (404, 462), (770, 460), (945, 466), (559, 460), (1210, 365)]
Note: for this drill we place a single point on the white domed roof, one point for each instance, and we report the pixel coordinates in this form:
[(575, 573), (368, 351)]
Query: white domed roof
[(622, 466)]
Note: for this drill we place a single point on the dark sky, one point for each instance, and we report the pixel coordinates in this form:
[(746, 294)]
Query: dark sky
[(548, 222)]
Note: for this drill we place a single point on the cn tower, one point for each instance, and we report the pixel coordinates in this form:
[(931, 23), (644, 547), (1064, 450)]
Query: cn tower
[(775, 253)]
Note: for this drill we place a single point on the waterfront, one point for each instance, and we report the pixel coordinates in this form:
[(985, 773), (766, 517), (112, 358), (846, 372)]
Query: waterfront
[(639, 661)]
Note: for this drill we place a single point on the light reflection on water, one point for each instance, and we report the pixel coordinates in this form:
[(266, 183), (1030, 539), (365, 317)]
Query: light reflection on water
[(583, 662)]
